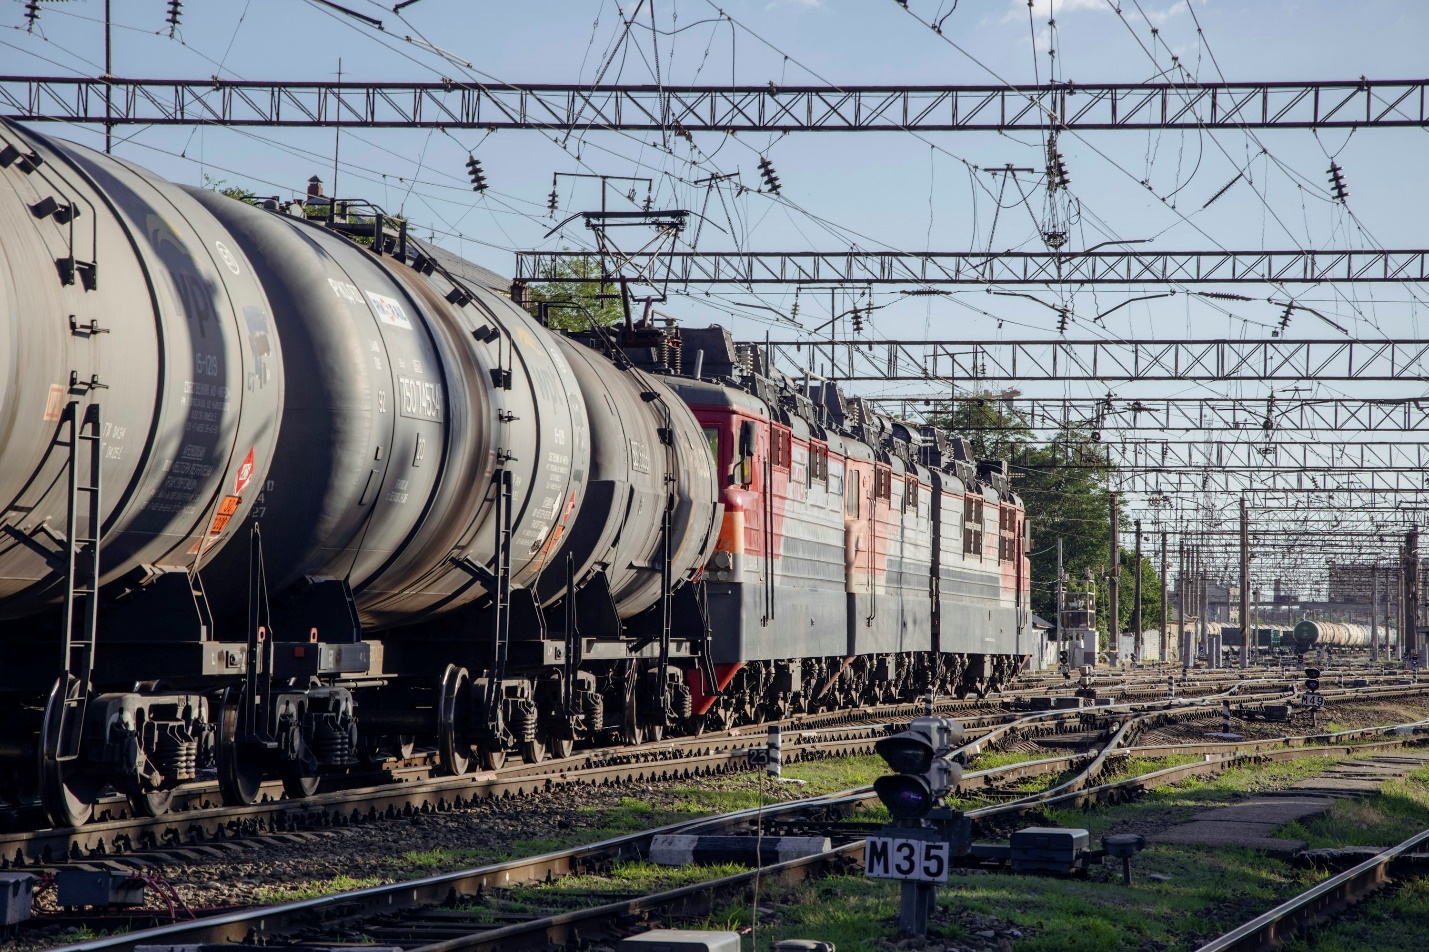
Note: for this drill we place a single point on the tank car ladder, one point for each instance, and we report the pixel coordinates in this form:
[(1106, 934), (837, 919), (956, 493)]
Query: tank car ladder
[(81, 601)]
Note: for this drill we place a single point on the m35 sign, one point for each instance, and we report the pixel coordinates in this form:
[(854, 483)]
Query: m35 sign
[(923, 861)]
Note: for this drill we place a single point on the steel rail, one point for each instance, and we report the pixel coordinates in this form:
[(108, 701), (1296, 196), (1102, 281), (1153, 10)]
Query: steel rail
[(435, 889), (1320, 902)]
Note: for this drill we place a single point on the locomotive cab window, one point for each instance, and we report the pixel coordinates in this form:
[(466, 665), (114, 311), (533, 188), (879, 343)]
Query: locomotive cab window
[(712, 438), (744, 466)]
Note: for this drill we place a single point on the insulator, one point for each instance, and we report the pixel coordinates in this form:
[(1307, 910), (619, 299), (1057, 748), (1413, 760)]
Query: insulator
[(771, 180), (32, 13), (1337, 182), (174, 15), (473, 170)]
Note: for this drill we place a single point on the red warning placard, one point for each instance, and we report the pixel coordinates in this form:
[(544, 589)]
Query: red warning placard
[(245, 474)]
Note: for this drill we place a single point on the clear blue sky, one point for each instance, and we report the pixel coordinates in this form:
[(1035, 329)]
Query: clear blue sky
[(885, 190)]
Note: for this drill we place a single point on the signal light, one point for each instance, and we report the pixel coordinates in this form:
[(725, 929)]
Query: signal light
[(1312, 679), (478, 177), (766, 170), (1337, 183), (174, 16), (924, 774)]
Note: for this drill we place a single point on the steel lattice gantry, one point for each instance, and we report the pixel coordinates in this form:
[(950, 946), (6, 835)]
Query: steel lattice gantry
[(1183, 414), (1306, 456), (980, 268), (967, 363), (1167, 481), (450, 104)]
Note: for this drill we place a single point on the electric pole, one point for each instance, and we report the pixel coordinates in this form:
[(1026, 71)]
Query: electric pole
[(1247, 637)]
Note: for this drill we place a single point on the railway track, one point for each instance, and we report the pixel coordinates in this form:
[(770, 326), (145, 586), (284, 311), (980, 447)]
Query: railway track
[(1327, 899), (404, 788), (432, 908)]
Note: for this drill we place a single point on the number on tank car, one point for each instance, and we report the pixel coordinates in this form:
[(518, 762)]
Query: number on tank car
[(420, 399), (206, 364)]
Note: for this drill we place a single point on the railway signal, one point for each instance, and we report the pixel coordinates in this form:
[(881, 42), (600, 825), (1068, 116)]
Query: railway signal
[(924, 774), (916, 848), (1312, 698)]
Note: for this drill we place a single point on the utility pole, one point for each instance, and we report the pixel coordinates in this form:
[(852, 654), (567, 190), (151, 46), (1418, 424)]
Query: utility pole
[(1388, 615), (1164, 607), (1136, 600), (1181, 606), (108, 87), (1061, 632), (1374, 613), (1410, 636), (1113, 577), (1247, 636)]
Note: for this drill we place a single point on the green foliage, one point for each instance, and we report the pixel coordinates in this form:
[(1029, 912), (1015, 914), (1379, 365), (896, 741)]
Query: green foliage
[(222, 187), (1062, 484), (578, 303)]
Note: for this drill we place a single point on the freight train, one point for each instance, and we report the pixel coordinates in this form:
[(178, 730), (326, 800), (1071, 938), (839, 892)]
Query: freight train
[(1330, 634), (288, 492)]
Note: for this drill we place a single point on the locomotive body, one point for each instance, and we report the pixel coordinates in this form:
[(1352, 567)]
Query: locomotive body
[(288, 493)]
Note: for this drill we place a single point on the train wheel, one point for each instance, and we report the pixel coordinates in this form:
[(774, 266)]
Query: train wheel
[(452, 713), (655, 732), (493, 759), (240, 776), (561, 747), (67, 794), (534, 751), (297, 784), (150, 802)]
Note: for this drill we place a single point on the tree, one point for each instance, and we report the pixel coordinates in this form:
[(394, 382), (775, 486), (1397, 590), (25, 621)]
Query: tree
[(232, 191), (579, 302)]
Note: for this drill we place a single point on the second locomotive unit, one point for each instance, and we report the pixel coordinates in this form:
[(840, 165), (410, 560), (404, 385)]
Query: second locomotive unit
[(284, 497)]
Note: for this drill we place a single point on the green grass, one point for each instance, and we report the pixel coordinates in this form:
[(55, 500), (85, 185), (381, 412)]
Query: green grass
[(989, 759), (1400, 811), (271, 895), (1135, 766)]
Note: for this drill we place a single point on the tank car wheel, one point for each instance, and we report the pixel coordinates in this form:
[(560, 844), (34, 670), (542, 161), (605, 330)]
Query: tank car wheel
[(150, 802), (696, 725), (633, 734), (297, 784), (492, 759), (655, 732), (240, 777), (534, 751), (452, 743), (67, 794), (561, 747)]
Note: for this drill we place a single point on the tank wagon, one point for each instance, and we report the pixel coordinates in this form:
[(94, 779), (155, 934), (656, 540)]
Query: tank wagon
[(1330, 634), (283, 497)]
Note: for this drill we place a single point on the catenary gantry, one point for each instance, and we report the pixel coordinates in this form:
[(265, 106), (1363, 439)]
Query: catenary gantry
[(456, 104)]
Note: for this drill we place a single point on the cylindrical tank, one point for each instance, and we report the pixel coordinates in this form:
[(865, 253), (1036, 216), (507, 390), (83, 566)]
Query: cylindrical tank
[(122, 300), (645, 443), (405, 399)]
